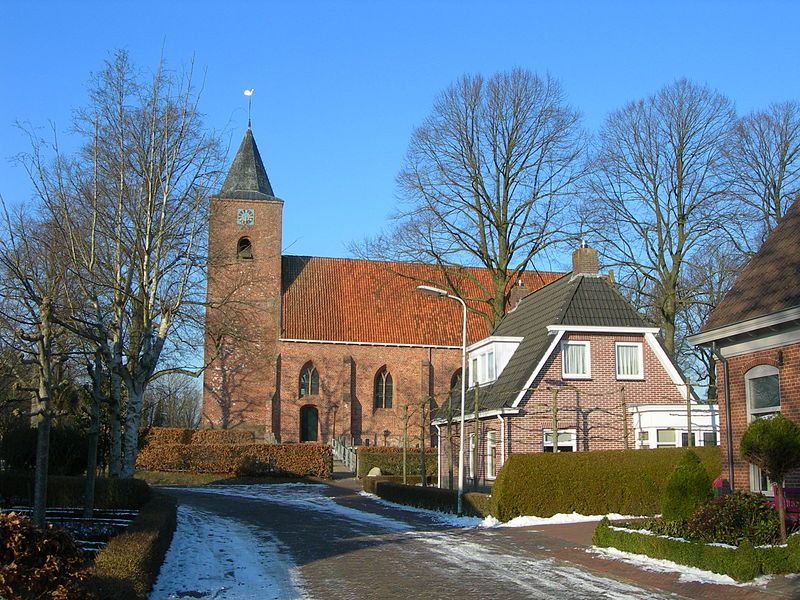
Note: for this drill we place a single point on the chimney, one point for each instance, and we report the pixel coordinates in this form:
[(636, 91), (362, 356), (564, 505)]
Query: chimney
[(517, 293), (584, 261)]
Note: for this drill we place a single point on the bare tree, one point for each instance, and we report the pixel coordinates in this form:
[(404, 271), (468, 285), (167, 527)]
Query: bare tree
[(488, 182), (132, 210), (658, 192), (172, 401), (764, 161)]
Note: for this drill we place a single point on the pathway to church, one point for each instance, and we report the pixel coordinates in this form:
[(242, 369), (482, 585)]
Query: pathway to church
[(288, 541)]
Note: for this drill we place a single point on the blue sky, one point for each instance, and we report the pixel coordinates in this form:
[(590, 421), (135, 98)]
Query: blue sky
[(341, 85)]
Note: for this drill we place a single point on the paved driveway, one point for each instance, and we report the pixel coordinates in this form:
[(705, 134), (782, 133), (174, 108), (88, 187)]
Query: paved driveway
[(318, 541)]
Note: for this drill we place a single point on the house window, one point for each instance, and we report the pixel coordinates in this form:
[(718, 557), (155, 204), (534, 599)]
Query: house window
[(566, 440), (309, 380), (383, 389), (685, 439), (244, 248), (474, 371), (710, 438), (666, 438), (484, 369), (629, 360), (455, 380), (762, 391), (575, 360), (491, 450), (472, 453)]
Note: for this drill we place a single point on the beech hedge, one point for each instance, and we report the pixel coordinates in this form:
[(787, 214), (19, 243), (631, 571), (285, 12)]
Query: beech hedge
[(475, 504), (241, 459), (743, 563), (628, 482), (175, 435), (390, 461)]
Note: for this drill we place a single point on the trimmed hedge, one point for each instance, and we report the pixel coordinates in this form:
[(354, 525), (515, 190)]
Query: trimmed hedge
[(433, 498), (128, 565), (369, 483), (243, 459), (742, 563), (175, 435), (592, 483), (390, 461), (66, 491)]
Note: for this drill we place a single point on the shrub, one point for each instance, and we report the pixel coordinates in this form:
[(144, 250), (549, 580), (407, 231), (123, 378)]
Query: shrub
[(66, 491), (733, 519), (688, 488), (36, 563), (593, 483), (266, 459), (390, 461), (128, 565), (432, 498), (175, 435), (742, 563), (67, 456)]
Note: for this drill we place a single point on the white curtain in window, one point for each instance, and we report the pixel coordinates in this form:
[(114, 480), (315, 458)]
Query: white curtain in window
[(575, 359), (628, 361)]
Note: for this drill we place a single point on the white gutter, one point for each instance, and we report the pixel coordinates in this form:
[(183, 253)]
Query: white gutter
[(745, 326), (495, 338), (481, 415)]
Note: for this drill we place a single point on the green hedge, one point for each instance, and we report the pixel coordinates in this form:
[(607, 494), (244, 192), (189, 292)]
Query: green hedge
[(390, 461), (127, 567), (743, 563), (369, 483), (63, 491), (433, 498), (628, 482)]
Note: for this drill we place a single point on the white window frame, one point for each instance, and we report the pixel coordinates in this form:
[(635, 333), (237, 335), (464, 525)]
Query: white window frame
[(491, 451), (585, 344), (638, 346), (757, 478), (677, 441), (572, 432)]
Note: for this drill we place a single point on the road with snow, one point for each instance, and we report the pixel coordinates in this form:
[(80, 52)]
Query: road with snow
[(287, 541)]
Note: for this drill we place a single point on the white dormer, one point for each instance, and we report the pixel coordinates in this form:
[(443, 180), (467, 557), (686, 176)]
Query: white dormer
[(488, 358)]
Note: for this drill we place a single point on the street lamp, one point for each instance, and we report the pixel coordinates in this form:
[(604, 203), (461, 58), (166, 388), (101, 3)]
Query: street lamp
[(440, 293)]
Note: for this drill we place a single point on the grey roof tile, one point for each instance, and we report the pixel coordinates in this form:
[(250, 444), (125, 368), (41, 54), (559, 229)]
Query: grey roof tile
[(247, 178)]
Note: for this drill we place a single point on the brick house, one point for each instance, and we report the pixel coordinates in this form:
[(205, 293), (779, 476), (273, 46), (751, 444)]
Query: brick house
[(755, 336), (576, 358), (303, 348)]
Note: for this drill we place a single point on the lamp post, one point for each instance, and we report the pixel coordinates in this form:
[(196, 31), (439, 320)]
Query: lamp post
[(440, 293), (334, 408)]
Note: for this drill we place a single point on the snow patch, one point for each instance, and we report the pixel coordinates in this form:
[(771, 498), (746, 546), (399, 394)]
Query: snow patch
[(558, 519), (441, 518)]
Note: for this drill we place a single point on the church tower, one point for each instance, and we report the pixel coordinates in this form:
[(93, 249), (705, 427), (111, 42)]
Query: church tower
[(243, 315)]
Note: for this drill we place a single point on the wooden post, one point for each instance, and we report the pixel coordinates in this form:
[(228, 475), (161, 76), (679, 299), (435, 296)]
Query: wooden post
[(422, 425), (474, 452), (405, 443), (554, 435), (624, 404), (689, 413)]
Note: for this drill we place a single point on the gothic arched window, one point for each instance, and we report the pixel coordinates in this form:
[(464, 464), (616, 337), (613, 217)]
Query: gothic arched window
[(383, 389), (309, 380), (455, 380), (244, 248)]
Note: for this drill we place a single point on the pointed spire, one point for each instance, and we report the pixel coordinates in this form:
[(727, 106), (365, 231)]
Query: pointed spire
[(247, 178)]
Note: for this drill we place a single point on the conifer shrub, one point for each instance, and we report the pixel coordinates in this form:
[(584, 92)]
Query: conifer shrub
[(688, 488), (628, 482)]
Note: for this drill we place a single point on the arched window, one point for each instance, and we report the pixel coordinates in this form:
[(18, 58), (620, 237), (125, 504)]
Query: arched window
[(762, 392), (455, 380), (309, 380), (383, 389), (244, 248)]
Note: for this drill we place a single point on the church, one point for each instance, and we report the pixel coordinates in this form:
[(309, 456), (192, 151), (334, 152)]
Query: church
[(307, 348)]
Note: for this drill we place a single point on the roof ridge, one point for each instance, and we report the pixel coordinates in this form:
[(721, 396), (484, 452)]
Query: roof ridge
[(562, 312)]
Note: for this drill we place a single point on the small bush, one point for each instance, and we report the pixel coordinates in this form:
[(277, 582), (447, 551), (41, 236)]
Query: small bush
[(433, 498), (36, 563), (688, 488), (67, 456), (17, 489), (390, 461), (733, 519), (592, 483), (128, 565)]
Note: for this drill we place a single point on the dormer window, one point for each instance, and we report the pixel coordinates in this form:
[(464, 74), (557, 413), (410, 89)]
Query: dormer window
[(244, 249), (483, 367)]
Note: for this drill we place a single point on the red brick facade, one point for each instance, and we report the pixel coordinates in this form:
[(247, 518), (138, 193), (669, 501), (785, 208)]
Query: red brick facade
[(787, 360), (591, 407)]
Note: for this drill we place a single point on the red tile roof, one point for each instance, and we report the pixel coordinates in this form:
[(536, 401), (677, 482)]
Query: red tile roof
[(770, 282), (349, 300)]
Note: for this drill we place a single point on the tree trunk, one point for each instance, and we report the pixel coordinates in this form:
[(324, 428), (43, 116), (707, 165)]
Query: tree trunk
[(94, 434), (131, 435), (781, 510), (42, 455), (115, 449)]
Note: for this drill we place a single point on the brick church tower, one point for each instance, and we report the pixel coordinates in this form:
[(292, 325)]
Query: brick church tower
[(243, 319)]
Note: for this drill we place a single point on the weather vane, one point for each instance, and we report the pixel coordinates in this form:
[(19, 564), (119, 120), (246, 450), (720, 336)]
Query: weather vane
[(249, 94)]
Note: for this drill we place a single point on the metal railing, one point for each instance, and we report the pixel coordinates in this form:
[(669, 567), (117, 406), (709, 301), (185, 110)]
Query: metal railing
[(346, 454)]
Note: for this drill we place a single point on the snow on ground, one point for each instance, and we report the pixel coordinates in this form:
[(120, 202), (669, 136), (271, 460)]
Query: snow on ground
[(687, 574), (308, 496), (558, 519), (442, 518), (226, 560)]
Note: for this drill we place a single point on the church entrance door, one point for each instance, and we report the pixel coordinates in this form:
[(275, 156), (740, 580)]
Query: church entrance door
[(309, 419)]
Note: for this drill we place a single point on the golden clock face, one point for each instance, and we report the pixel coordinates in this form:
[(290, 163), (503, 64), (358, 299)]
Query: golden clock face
[(245, 216)]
